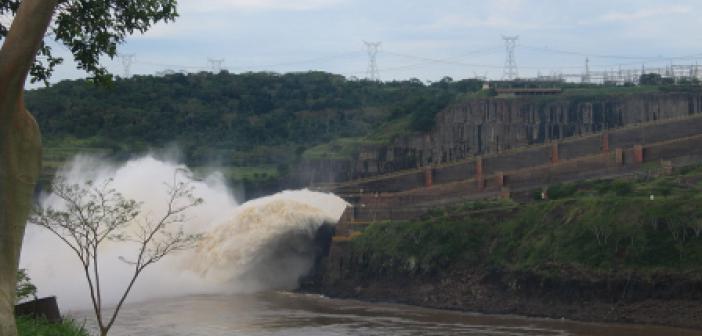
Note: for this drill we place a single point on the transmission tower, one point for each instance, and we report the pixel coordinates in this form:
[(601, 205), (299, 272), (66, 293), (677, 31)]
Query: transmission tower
[(127, 60), (215, 64), (586, 76), (510, 71), (372, 48)]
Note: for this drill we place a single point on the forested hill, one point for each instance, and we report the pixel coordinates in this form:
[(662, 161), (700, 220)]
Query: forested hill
[(249, 119)]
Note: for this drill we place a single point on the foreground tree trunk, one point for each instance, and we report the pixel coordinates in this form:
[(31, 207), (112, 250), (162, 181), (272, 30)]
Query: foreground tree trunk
[(20, 145)]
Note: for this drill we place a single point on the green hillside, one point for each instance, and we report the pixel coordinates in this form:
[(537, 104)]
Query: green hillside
[(253, 125)]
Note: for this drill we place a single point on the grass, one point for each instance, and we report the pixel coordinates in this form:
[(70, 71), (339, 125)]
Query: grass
[(233, 173), (37, 327), (347, 148), (57, 152), (481, 94), (594, 93), (339, 149), (608, 91), (392, 130), (599, 226)]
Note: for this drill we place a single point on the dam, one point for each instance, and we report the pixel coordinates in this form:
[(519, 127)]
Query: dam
[(512, 148), (303, 238), (635, 139)]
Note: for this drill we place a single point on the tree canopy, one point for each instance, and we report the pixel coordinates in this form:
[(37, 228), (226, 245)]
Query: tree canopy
[(209, 114), (91, 29)]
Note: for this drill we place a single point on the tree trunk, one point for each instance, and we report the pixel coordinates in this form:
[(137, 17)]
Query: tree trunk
[(20, 145), (20, 152)]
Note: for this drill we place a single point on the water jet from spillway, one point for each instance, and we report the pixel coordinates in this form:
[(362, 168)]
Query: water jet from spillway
[(266, 243)]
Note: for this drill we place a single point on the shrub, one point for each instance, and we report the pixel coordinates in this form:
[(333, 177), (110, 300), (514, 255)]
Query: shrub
[(27, 326), (622, 188), (25, 288), (559, 191)]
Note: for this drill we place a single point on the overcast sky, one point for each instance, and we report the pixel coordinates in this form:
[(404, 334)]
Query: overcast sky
[(420, 39)]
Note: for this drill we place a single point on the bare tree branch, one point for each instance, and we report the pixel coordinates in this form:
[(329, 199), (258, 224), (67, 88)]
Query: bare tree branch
[(95, 213)]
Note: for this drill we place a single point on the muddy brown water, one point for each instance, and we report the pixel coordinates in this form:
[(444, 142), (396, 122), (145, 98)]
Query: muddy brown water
[(292, 314)]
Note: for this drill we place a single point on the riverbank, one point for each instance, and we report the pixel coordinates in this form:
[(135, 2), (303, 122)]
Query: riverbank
[(602, 251), (291, 314), (627, 298)]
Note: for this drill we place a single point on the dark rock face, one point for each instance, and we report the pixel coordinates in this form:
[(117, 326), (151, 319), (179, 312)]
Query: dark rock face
[(322, 243), (565, 293), (313, 172), (489, 126), (493, 125), (46, 308)]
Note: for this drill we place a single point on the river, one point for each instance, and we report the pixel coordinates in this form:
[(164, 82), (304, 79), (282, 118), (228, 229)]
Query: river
[(291, 314)]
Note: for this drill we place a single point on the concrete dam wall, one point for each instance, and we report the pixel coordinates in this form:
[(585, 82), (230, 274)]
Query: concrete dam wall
[(600, 151), (526, 148), (495, 125), (487, 126)]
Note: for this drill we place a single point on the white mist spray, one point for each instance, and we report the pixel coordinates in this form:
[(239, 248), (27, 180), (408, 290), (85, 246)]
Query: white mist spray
[(262, 244)]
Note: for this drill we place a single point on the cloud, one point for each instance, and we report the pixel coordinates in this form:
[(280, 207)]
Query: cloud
[(491, 21), (644, 13), (6, 19), (256, 5), (213, 18), (186, 27), (512, 15), (512, 6)]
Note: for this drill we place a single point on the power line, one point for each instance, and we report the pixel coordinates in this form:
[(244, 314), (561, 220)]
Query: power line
[(304, 61), (168, 65), (577, 53), (373, 72), (451, 60), (447, 61), (243, 68)]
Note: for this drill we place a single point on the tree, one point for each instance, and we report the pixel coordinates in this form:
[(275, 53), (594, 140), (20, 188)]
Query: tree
[(25, 287), (90, 29), (95, 213), (650, 79), (655, 79)]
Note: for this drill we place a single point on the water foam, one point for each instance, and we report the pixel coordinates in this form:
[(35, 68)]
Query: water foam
[(262, 244)]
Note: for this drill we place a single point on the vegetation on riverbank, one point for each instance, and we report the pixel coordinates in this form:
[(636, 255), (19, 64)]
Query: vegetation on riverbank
[(644, 225), (31, 326), (27, 326)]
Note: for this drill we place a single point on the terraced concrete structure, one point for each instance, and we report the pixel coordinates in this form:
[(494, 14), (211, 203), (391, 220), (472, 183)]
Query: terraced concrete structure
[(648, 135), (499, 125), (557, 142)]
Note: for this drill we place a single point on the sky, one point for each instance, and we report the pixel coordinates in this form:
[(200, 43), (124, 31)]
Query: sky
[(420, 39)]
